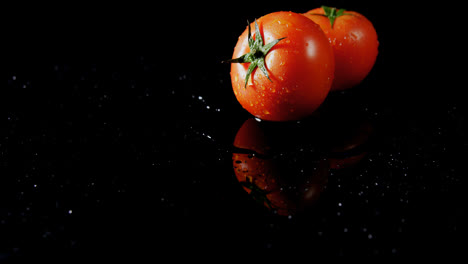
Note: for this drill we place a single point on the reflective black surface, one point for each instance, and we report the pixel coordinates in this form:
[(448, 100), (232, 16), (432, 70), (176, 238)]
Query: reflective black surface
[(119, 137)]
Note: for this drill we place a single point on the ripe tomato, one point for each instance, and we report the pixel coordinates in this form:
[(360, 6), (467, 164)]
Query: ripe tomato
[(295, 73), (354, 43)]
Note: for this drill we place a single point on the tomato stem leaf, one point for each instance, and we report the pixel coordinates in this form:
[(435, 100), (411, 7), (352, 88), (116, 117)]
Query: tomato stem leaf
[(258, 194), (252, 67), (257, 54), (258, 36), (267, 47), (332, 13)]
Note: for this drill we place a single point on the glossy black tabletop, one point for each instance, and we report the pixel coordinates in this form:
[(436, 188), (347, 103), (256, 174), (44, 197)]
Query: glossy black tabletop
[(120, 136)]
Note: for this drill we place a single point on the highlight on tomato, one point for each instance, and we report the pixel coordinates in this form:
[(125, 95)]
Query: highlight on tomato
[(284, 69), (354, 41)]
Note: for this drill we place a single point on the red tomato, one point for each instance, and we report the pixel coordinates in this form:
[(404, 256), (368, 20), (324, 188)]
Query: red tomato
[(354, 43), (295, 74)]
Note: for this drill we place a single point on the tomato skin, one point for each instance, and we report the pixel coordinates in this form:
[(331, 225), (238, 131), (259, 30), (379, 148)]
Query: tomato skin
[(355, 45), (301, 69)]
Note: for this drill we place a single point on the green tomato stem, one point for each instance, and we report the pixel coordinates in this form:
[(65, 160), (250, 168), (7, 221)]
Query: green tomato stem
[(257, 54)]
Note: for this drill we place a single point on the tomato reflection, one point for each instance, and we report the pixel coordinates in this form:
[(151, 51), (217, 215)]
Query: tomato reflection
[(272, 173), (350, 145), (285, 166)]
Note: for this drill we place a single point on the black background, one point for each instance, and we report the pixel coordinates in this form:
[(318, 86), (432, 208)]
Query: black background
[(117, 123)]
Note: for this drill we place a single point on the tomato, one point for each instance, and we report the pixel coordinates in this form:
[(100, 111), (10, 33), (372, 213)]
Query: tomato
[(354, 42), (288, 73)]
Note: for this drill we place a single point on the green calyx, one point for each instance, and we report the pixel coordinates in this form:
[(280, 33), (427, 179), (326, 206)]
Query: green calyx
[(257, 54), (332, 13), (257, 193)]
